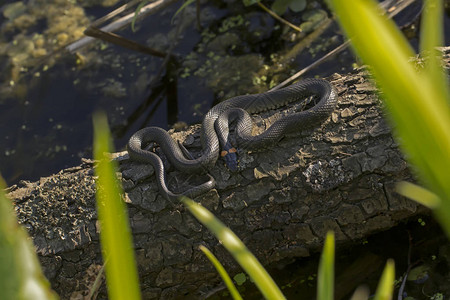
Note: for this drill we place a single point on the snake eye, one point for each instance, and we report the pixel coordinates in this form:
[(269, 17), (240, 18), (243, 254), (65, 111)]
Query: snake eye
[(232, 150), (223, 153)]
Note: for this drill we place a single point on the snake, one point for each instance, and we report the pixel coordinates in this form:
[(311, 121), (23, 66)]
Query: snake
[(215, 132)]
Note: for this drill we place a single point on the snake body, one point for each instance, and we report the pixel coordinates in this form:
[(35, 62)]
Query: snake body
[(214, 131)]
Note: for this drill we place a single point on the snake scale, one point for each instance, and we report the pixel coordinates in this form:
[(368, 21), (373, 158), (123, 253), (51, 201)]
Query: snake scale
[(215, 131)]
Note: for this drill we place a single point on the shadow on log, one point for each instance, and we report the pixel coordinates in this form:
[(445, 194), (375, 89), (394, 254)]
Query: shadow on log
[(339, 176)]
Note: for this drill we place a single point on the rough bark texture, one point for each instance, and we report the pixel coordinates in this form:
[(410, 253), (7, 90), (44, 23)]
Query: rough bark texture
[(339, 176)]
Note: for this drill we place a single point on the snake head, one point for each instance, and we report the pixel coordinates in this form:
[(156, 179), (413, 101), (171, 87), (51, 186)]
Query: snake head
[(231, 159)]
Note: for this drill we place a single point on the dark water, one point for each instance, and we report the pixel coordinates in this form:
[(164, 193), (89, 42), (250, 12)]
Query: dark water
[(48, 126)]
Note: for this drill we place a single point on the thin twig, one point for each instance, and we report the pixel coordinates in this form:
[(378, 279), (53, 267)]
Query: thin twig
[(305, 42), (97, 283), (394, 10), (197, 12), (284, 21), (402, 286), (213, 291), (152, 8), (314, 64), (169, 51), (114, 13), (121, 41)]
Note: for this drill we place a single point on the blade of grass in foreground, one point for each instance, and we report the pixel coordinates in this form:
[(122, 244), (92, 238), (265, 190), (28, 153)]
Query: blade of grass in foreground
[(418, 105), (115, 235), (361, 293), (237, 249), (20, 272), (386, 285), (325, 280), (432, 36), (221, 270), (418, 194)]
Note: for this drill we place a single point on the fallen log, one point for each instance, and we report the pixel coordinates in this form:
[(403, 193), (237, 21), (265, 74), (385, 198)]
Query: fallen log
[(339, 176)]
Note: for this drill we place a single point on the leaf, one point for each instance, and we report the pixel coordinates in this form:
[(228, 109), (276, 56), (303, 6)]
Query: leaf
[(115, 234), (280, 6), (185, 4), (361, 293), (221, 270), (237, 249), (386, 285), (250, 2), (20, 272), (136, 13), (240, 278), (419, 274), (417, 102), (297, 5), (431, 37), (418, 194), (325, 279)]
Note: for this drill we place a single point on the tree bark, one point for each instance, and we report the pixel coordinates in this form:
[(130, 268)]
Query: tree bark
[(339, 176)]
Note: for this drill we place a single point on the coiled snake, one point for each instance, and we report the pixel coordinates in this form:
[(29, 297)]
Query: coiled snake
[(214, 131)]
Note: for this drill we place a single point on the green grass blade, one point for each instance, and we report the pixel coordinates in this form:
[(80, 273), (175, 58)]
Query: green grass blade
[(361, 293), (432, 32), (136, 13), (386, 285), (20, 272), (325, 279), (417, 105), (250, 2), (432, 36), (185, 4), (237, 249), (418, 194), (221, 270), (115, 235)]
